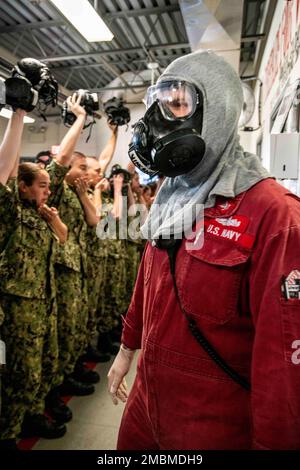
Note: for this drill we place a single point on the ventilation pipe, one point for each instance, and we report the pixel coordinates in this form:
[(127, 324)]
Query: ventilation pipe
[(137, 84), (214, 25)]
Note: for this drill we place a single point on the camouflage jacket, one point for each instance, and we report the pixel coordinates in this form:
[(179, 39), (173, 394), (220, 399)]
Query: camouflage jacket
[(9, 208), (96, 248), (111, 229), (26, 247)]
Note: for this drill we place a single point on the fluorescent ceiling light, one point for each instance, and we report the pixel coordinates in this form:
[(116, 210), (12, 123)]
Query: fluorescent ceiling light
[(85, 19), (7, 114)]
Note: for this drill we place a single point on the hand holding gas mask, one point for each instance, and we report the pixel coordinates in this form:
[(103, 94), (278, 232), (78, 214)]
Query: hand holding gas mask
[(74, 106), (18, 93), (31, 84), (89, 101), (117, 170)]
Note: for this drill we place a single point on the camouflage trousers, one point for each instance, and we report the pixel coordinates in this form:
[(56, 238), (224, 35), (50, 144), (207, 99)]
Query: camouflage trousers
[(132, 266), (72, 318), (1, 366), (30, 333), (95, 283), (113, 303)]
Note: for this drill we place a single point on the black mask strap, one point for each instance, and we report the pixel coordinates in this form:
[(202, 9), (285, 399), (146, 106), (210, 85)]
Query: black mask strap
[(172, 246), (90, 125)]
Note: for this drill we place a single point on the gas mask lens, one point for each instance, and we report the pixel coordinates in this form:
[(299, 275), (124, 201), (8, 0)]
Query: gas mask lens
[(176, 99)]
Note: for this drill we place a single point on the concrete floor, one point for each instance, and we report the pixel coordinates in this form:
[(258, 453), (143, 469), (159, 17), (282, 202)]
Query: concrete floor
[(95, 420)]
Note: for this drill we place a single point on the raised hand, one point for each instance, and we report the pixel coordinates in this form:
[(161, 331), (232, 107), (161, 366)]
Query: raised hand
[(118, 181), (74, 105), (113, 127)]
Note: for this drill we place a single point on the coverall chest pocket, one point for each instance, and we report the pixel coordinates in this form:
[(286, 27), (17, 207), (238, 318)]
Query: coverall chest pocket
[(212, 281)]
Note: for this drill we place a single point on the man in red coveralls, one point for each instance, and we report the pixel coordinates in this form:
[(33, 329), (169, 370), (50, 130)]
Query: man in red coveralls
[(218, 323)]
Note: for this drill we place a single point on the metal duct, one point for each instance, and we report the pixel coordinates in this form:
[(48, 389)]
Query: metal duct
[(214, 25), (133, 95)]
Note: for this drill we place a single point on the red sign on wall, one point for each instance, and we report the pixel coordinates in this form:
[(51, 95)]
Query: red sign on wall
[(285, 51)]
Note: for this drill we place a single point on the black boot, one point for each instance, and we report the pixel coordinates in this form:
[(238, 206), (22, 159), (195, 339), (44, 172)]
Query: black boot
[(8, 444), (105, 344), (71, 386), (84, 374), (92, 355), (39, 426), (56, 407)]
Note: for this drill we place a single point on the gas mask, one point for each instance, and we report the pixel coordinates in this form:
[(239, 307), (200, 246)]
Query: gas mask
[(116, 112), (167, 139), (31, 85), (41, 79)]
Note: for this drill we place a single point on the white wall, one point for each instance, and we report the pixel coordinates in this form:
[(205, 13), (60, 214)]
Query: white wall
[(275, 71), (32, 142), (269, 101), (249, 140)]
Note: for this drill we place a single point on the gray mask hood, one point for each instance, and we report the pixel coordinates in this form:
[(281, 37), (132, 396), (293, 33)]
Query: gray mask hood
[(225, 169)]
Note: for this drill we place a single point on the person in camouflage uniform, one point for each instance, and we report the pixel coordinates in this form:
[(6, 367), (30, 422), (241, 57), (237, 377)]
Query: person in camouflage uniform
[(2, 353), (70, 274), (113, 302), (105, 319), (9, 146), (133, 259), (135, 245), (97, 263), (96, 248), (77, 211), (29, 326)]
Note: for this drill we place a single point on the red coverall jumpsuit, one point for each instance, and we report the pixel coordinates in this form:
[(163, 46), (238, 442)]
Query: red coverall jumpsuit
[(232, 287)]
